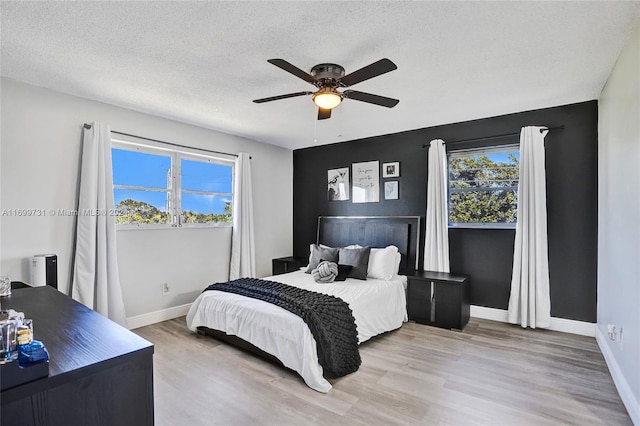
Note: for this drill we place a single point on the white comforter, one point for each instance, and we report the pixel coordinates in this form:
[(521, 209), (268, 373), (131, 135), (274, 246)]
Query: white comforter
[(377, 305)]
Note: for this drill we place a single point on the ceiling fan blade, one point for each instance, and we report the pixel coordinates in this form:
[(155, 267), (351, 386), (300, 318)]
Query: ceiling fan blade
[(275, 98), (290, 68), (323, 114), (372, 99), (373, 70)]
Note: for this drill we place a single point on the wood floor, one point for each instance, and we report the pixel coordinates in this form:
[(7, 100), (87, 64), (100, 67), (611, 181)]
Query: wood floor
[(490, 374)]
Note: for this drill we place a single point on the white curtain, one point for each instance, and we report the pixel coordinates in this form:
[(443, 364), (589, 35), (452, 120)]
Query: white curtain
[(96, 279), (529, 303), (243, 257), (436, 245)]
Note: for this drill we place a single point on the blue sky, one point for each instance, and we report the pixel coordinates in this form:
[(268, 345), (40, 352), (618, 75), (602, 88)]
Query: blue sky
[(502, 158), (133, 168)]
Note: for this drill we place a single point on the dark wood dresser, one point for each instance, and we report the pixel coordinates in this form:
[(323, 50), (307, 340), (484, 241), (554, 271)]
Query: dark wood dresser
[(99, 372)]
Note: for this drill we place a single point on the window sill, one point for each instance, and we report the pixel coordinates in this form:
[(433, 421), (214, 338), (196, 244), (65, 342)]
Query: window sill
[(204, 225), (511, 226), (168, 227)]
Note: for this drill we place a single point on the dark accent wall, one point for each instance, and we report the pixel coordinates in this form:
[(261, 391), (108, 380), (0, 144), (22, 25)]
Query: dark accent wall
[(485, 254)]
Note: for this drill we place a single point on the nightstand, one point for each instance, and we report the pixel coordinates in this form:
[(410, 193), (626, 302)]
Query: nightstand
[(19, 284), (283, 265), (438, 298)]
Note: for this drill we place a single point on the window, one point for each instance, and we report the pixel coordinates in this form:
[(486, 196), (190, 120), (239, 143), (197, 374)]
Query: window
[(483, 187), (206, 190), (156, 187)]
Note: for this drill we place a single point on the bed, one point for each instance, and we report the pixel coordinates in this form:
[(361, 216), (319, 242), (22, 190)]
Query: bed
[(378, 304)]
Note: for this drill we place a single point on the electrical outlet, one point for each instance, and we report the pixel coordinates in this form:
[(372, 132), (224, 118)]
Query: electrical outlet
[(611, 331), (620, 339), (165, 289)]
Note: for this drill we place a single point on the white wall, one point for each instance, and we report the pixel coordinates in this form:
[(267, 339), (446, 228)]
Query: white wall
[(619, 223), (41, 148)]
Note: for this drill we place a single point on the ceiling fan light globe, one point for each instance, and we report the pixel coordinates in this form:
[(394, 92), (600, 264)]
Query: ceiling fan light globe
[(327, 100)]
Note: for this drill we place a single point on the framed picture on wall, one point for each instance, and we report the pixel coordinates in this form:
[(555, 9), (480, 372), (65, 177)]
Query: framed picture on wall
[(391, 169), (391, 190), (366, 182), (338, 184)]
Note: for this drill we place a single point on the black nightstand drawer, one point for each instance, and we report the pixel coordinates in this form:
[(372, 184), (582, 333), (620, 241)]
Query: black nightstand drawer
[(287, 264), (419, 302), (447, 315), (438, 299), (447, 293)]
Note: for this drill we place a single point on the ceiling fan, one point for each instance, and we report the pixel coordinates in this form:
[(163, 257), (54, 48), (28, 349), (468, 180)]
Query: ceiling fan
[(328, 78)]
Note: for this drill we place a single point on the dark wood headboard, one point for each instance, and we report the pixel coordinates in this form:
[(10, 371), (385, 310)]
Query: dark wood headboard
[(373, 231)]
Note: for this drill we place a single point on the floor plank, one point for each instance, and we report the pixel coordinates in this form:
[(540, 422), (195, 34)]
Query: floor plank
[(489, 374)]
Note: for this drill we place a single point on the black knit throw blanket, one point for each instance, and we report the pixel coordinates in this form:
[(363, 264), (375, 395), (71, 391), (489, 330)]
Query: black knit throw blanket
[(329, 318)]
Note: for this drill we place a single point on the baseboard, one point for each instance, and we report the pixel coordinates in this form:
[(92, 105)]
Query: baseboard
[(557, 324), (630, 402), (489, 313), (157, 316), (574, 327)]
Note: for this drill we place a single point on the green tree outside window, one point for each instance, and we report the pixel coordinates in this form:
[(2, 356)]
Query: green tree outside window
[(483, 186)]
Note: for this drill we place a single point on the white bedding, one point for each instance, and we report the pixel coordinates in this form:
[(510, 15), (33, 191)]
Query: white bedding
[(377, 305)]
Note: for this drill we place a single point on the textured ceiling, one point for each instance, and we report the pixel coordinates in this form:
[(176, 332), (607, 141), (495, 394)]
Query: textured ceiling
[(203, 62)]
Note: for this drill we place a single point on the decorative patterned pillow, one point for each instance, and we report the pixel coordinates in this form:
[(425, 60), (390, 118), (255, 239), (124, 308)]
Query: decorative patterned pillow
[(326, 272)]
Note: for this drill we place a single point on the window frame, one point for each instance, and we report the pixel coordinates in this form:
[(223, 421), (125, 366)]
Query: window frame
[(176, 156), (466, 152), (179, 190)]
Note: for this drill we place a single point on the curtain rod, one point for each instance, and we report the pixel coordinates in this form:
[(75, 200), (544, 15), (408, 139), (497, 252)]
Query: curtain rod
[(504, 135), (88, 126)]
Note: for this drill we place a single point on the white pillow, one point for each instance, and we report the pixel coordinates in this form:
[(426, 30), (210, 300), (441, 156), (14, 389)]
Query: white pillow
[(353, 246), (397, 266), (382, 263)]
